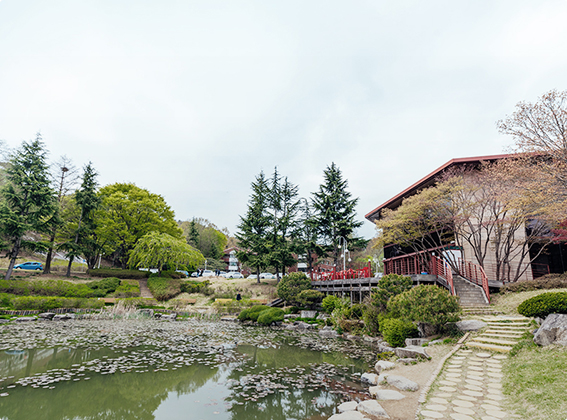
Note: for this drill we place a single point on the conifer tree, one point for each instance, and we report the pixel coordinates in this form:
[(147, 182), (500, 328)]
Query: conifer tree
[(28, 200), (255, 226), (335, 213)]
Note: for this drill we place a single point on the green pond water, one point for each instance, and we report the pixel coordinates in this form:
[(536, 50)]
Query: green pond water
[(174, 370)]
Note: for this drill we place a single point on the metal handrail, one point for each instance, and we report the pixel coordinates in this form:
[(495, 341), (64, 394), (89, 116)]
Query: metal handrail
[(441, 268), (364, 272), (475, 274)]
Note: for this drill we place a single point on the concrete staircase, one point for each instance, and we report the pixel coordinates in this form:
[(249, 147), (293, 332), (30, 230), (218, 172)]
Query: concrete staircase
[(469, 294), (501, 334)]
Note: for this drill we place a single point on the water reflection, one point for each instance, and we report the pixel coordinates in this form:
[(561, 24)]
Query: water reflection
[(199, 391)]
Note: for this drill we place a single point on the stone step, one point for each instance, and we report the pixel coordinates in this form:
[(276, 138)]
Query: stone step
[(500, 335), (495, 341), (506, 319), (509, 324), (508, 332), (510, 327), (486, 346)]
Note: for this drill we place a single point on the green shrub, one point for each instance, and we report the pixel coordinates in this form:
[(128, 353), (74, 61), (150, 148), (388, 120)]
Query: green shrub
[(251, 314), (309, 298), (544, 304), (194, 286), (5, 299), (395, 331), (389, 286), (127, 289), (430, 304), (163, 288), (549, 281), (292, 285), (101, 288), (47, 303), (271, 315), (330, 302), (117, 272), (354, 312), (139, 302)]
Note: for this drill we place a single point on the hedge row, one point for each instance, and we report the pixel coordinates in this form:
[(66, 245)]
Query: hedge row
[(40, 303), (264, 315), (549, 281), (119, 273), (101, 288)]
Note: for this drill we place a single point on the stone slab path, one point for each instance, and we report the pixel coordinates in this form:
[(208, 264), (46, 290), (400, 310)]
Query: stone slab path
[(469, 386)]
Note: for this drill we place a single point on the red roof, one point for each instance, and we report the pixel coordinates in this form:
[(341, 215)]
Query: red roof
[(427, 181)]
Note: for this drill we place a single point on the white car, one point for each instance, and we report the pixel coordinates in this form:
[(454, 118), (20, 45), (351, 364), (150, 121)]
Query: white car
[(233, 275), (267, 276), (208, 273)]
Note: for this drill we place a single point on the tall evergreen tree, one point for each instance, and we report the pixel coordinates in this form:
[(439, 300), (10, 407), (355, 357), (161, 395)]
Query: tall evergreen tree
[(193, 237), (335, 213), (28, 200), (306, 236), (87, 201), (283, 209), (255, 226)]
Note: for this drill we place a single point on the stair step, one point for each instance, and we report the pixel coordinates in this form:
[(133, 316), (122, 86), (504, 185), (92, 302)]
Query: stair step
[(516, 333), (488, 334), (495, 341), (486, 346), (506, 327), (506, 319)]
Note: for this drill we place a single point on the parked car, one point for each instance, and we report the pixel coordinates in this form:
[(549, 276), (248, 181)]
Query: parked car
[(234, 275), (252, 276), (29, 265), (183, 272), (267, 276), (207, 273), (194, 274)]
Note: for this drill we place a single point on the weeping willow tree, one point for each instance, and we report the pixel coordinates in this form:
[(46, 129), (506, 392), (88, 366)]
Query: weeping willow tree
[(159, 250)]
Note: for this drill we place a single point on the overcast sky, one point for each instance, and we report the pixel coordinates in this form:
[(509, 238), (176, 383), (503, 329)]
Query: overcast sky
[(192, 99)]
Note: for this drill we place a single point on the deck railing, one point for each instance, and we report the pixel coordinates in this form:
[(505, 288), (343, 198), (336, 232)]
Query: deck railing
[(361, 273), (475, 274), (441, 268)]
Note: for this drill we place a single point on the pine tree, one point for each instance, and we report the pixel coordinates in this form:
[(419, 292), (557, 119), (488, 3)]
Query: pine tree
[(255, 226), (193, 238), (335, 213), (87, 201), (28, 200)]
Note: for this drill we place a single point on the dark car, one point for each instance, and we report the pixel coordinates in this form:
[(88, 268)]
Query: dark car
[(30, 265)]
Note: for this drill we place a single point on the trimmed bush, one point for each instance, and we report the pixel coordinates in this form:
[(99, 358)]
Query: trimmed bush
[(395, 331), (101, 288), (20, 303), (127, 289), (163, 288), (292, 285), (117, 272), (330, 303), (5, 299), (251, 314), (389, 286), (309, 298), (430, 304), (544, 304), (271, 315)]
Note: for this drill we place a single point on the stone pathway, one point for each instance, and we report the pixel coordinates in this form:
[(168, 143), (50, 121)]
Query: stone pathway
[(144, 290), (470, 385)]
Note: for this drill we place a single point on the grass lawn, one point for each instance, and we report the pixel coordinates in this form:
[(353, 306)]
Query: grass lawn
[(508, 303), (535, 382)]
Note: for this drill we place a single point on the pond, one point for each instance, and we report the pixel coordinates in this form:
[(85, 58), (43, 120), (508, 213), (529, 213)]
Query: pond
[(147, 369)]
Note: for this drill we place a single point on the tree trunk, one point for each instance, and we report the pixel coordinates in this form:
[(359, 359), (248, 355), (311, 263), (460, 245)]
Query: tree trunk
[(258, 275), (47, 268), (71, 258), (14, 253)]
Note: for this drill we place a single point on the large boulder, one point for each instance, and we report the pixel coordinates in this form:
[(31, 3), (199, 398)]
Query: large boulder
[(372, 408), (383, 365), (426, 330), (63, 317), (403, 384), (383, 348), (370, 378), (388, 394), (552, 331), (328, 332), (412, 352), (26, 319), (347, 406), (470, 325), (349, 415), (308, 314), (47, 315), (416, 341)]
